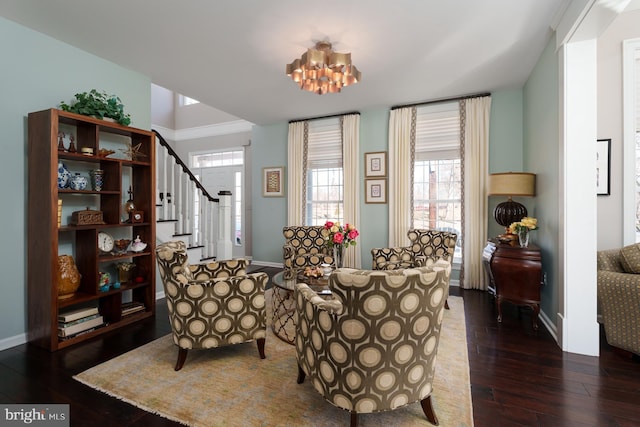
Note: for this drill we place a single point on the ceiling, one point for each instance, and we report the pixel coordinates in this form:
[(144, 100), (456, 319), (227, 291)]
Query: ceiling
[(231, 55)]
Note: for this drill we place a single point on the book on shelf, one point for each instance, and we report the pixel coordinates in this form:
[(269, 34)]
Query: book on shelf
[(70, 316), (132, 307), (79, 327), (86, 331), (80, 320)]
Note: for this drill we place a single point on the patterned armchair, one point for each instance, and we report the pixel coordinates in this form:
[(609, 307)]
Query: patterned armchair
[(619, 296), (213, 304), (426, 247), (304, 246), (373, 348)]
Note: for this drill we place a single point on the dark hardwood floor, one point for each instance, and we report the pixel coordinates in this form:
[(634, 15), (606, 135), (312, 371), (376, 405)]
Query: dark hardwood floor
[(518, 377)]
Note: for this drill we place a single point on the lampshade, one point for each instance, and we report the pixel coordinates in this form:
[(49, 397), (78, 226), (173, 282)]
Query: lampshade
[(511, 184), (321, 70)]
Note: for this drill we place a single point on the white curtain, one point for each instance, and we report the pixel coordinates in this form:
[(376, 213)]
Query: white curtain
[(351, 171), (475, 157), (296, 162), (401, 139)]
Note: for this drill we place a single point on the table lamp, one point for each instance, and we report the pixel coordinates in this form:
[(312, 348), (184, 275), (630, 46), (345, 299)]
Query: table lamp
[(511, 184)]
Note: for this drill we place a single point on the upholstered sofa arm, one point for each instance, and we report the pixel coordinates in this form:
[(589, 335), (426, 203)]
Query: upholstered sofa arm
[(331, 306), (222, 268), (619, 300), (382, 257), (610, 260)]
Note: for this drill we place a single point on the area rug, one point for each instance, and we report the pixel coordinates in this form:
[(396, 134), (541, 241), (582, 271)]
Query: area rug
[(232, 386)]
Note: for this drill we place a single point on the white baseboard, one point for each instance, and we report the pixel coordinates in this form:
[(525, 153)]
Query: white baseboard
[(551, 327), (13, 341), (267, 264)]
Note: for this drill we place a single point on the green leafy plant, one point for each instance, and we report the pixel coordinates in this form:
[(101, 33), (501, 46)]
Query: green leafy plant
[(98, 104)]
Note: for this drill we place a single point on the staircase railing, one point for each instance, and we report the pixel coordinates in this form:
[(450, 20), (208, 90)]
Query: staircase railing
[(182, 198)]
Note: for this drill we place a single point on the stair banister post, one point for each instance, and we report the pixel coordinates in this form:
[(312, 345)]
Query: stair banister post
[(224, 245)]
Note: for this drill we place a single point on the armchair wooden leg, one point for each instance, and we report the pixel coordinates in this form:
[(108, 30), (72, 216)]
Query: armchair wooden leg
[(182, 357), (354, 419), (427, 408), (446, 304), (301, 375), (260, 342)]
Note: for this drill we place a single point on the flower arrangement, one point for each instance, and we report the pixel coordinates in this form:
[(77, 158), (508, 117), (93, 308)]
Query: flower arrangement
[(525, 224), (341, 235)]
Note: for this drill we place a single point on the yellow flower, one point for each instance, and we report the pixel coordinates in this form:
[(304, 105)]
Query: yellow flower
[(529, 222), (335, 228)]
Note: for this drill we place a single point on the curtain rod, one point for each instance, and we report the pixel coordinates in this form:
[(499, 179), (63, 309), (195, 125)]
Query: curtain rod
[(438, 101), (324, 117)]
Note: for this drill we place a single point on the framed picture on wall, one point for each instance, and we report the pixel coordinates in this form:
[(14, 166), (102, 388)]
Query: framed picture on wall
[(376, 191), (375, 164), (603, 166), (273, 181)]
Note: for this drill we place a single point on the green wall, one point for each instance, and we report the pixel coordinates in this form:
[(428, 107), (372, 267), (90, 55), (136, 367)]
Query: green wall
[(505, 145), (541, 155), (269, 145), (37, 73)]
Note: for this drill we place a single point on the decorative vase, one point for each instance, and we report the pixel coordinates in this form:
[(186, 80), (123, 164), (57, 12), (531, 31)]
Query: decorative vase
[(337, 256), (78, 182), (97, 178), (64, 176), (523, 237), (68, 277)]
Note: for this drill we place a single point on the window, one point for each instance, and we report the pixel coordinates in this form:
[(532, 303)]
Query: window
[(238, 207), (437, 178), (217, 171), (324, 172), (222, 158), (185, 100)]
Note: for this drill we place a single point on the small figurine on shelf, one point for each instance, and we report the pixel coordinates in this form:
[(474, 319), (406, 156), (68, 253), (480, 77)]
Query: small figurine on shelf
[(138, 245), (103, 281), (72, 145), (60, 143)]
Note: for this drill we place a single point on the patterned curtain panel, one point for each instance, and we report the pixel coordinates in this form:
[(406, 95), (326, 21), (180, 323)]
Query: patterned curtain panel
[(475, 160), (351, 170), (401, 141), (296, 177)]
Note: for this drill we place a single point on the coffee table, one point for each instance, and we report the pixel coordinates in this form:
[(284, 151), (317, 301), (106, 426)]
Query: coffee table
[(283, 321)]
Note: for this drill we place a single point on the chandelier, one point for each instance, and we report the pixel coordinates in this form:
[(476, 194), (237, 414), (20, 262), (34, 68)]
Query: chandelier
[(321, 70)]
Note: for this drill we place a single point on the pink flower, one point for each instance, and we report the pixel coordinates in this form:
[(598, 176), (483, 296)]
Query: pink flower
[(353, 234), (328, 225), (338, 238)]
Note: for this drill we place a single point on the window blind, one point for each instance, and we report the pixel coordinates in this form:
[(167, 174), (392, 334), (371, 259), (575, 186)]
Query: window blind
[(324, 146), (438, 131)]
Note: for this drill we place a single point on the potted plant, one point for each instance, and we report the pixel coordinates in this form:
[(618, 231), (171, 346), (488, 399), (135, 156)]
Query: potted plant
[(99, 105)]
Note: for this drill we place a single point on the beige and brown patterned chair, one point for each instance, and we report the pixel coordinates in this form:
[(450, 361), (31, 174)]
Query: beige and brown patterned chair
[(305, 246), (619, 296), (373, 348), (212, 304), (427, 246)]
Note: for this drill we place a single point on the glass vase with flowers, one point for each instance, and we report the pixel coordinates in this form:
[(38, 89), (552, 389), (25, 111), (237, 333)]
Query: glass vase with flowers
[(522, 228), (338, 238)]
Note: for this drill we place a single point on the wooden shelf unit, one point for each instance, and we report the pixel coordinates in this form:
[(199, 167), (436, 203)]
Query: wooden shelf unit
[(47, 240)]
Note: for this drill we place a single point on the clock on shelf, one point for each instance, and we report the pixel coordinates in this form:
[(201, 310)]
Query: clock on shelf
[(105, 242), (136, 216)]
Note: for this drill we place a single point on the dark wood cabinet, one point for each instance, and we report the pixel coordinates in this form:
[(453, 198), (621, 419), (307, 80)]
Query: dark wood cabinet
[(515, 275), (51, 233)]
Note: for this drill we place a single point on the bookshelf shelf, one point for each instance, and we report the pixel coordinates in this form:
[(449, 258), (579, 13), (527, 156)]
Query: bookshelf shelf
[(48, 238)]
